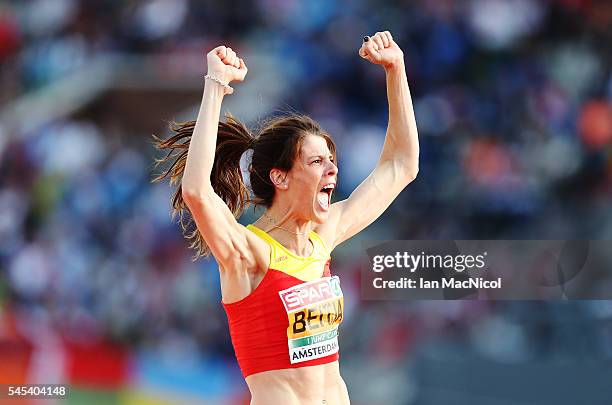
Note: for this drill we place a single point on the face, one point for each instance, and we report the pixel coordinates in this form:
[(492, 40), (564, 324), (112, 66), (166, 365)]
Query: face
[(310, 183)]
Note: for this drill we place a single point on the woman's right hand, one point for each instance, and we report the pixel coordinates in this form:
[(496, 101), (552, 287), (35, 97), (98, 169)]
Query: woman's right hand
[(226, 66)]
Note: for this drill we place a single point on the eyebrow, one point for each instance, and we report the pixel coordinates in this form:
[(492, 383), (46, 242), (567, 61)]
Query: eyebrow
[(320, 156)]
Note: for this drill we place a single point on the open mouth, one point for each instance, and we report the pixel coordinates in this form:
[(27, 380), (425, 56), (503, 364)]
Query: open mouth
[(324, 195)]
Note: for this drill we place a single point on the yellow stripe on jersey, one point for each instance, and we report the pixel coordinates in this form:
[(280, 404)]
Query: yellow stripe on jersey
[(305, 268)]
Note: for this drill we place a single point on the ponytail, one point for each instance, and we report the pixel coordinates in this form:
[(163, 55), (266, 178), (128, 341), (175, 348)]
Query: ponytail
[(233, 139)]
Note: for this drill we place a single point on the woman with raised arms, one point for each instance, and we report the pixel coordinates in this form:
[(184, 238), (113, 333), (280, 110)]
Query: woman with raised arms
[(283, 304)]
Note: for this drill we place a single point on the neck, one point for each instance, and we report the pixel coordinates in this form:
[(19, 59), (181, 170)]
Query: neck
[(289, 230)]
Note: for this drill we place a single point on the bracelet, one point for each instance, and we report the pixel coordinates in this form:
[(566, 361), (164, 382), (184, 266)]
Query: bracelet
[(216, 79)]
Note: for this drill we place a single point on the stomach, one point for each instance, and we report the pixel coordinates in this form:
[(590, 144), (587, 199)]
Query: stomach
[(312, 385)]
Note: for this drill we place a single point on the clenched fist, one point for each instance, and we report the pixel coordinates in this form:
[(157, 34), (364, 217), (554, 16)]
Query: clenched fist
[(381, 49), (226, 66)]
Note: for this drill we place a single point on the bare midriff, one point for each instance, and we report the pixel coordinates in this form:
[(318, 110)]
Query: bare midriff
[(313, 385)]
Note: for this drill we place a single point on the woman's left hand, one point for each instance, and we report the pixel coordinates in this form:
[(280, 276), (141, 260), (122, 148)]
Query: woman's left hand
[(381, 49)]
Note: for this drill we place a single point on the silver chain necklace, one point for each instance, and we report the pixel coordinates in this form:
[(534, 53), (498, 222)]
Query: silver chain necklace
[(265, 214)]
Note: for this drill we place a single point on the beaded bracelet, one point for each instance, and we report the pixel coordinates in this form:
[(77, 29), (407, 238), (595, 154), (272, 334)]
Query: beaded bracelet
[(216, 79)]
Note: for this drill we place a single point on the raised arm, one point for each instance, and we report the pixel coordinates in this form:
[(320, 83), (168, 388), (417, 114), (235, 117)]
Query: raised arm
[(399, 161), (228, 241), (224, 66)]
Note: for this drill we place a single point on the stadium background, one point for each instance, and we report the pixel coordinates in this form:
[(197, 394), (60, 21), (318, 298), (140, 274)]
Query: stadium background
[(97, 290)]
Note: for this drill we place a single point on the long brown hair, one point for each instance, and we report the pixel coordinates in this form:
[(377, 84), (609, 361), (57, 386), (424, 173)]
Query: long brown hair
[(275, 145)]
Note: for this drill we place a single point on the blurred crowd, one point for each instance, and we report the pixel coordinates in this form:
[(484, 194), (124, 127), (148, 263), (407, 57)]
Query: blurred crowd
[(513, 100)]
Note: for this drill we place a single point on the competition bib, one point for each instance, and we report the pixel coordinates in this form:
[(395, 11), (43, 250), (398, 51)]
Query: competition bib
[(314, 309)]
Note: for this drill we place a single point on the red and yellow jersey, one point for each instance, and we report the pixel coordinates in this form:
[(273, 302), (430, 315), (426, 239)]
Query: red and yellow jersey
[(291, 319)]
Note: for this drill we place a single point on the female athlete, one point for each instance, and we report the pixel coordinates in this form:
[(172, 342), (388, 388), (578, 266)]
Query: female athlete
[(282, 303)]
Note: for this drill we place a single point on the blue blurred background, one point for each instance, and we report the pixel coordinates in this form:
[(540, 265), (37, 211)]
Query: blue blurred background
[(513, 100)]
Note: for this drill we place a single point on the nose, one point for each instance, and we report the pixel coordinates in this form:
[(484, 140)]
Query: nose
[(332, 169)]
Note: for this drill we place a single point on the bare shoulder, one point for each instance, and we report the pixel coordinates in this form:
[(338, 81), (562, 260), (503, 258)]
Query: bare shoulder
[(247, 252)]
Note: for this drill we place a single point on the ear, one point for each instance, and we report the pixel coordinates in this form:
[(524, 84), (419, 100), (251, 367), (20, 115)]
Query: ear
[(279, 178)]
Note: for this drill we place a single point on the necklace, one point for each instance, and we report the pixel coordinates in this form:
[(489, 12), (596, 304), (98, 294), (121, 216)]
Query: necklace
[(284, 229)]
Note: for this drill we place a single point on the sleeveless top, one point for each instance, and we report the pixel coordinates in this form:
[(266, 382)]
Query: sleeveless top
[(291, 319)]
